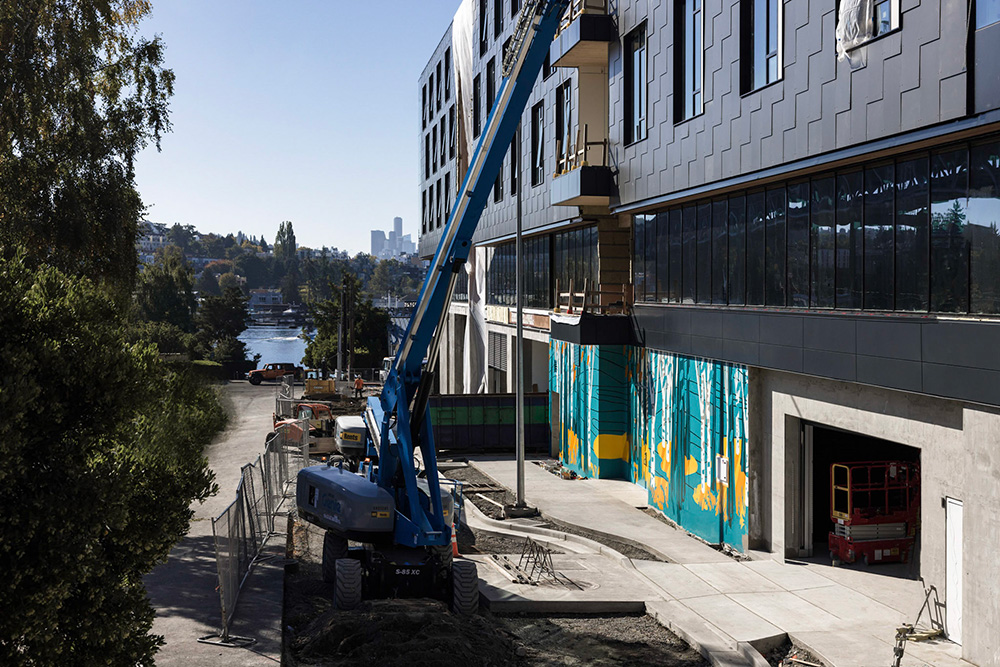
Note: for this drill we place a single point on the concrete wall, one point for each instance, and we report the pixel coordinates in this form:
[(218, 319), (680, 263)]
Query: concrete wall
[(912, 78), (959, 458)]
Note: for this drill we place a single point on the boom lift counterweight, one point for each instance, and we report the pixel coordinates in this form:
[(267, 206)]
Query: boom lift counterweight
[(401, 514)]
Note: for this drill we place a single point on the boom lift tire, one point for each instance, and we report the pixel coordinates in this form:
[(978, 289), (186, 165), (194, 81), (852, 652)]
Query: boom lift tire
[(347, 591), (443, 554), (464, 588), (334, 548)]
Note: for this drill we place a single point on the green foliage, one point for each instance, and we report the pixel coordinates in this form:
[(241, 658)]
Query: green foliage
[(80, 95), (368, 337), (165, 292), (284, 242), (102, 451), (220, 319)]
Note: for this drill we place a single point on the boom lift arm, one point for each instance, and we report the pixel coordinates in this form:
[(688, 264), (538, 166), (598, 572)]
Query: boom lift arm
[(403, 401)]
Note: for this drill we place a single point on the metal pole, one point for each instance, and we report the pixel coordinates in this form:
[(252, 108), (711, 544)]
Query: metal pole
[(340, 334), (519, 345)]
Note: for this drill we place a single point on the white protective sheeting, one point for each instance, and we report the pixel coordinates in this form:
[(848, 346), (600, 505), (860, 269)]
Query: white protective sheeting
[(474, 380), (854, 25)]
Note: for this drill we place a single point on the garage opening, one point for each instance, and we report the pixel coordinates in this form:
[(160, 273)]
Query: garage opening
[(861, 501)]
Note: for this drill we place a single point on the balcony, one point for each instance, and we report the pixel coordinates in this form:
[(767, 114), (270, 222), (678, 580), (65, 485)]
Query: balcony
[(584, 35), (578, 181)]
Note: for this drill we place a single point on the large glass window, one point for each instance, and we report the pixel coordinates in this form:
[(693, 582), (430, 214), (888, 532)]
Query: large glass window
[(635, 85), (676, 254), (879, 235), (984, 223), (497, 18), (564, 127), (538, 143), (720, 248), (491, 85), (823, 237), (447, 79), (755, 248), (690, 57), (774, 249), (650, 258), (912, 235), (918, 234), (663, 257), (737, 250), (477, 109), (689, 262), (798, 245), (575, 260), (949, 236), (850, 200), (704, 253), (639, 257), (760, 58)]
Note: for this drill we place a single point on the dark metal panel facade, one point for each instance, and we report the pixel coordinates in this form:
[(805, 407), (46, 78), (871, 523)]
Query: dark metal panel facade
[(940, 357)]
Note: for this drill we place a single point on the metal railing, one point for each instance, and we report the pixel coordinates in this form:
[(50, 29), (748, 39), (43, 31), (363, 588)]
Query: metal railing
[(241, 531)]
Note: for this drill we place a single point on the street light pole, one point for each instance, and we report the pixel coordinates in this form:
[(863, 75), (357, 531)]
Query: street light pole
[(520, 508)]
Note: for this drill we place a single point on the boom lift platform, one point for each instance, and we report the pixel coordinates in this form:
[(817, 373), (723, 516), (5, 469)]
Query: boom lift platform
[(875, 508), (399, 513)]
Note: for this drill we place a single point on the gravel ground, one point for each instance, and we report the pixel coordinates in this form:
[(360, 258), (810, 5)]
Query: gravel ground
[(584, 639), (417, 633)]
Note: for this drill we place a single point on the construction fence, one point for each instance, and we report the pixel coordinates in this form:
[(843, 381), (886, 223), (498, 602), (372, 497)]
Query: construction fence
[(241, 531)]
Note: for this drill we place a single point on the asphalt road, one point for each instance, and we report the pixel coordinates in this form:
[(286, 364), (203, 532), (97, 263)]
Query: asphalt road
[(184, 589)]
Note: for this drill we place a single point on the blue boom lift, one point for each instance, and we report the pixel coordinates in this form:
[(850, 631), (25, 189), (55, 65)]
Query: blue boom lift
[(401, 515)]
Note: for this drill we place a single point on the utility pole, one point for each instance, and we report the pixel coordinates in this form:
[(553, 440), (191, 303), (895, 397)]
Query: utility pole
[(340, 331), (520, 508)]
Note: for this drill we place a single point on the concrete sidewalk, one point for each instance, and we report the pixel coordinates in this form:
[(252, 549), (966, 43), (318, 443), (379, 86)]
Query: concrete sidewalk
[(847, 617), (184, 591)]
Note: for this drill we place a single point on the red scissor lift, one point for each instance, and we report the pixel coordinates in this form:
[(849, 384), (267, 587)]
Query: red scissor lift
[(875, 508)]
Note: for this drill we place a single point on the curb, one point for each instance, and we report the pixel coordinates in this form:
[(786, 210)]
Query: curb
[(611, 536)]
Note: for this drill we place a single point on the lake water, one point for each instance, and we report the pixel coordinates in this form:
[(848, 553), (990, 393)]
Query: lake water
[(274, 344)]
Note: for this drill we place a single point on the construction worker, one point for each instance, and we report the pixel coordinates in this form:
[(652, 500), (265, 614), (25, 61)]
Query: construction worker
[(359, 386)]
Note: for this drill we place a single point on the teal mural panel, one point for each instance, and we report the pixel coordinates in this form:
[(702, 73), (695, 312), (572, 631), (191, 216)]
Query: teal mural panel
[(593, 408), (690, 415)]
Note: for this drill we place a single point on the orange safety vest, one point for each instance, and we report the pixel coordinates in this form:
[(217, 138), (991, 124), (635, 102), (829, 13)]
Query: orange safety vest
[(359, 383)]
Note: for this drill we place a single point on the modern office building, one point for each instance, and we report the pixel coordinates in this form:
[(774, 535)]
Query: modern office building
[(799, 204)]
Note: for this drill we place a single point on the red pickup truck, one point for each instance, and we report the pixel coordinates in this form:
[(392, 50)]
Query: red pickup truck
[(274, 372)]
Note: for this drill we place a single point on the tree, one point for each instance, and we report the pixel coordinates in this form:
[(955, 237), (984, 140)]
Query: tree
[(220, 320), (284, 242), (80, 95), (165, 292), (102, 456)]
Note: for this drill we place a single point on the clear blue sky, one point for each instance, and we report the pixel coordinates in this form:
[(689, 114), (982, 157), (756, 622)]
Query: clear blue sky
[(306, 110)]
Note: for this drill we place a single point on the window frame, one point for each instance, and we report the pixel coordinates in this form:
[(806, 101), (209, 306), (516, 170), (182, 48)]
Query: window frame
[(538, 144), (689, 94), (749, 45), (630, 120)]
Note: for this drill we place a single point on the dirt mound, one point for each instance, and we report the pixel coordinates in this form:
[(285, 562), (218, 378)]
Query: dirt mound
[(414, 633)]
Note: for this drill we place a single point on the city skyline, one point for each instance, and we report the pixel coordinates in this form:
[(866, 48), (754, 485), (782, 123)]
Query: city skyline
[(286, 132)]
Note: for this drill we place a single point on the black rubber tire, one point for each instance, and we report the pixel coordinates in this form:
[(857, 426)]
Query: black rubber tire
[(254, 379), (334, 548), (464, 588), (443, 554), (347, 592)]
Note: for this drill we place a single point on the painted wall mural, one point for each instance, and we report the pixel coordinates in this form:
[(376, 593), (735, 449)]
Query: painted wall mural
[(676, 425), (689, 430), (593, 408)]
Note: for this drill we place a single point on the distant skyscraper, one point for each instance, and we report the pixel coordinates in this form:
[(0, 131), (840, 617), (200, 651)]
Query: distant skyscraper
[(395, 245), (378, 242)]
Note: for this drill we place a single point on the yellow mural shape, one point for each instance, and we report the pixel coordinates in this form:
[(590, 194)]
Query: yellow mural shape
[(610, 446), (574, 448), (690, 465), (704, 497), (660, 489), (739, 483)]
